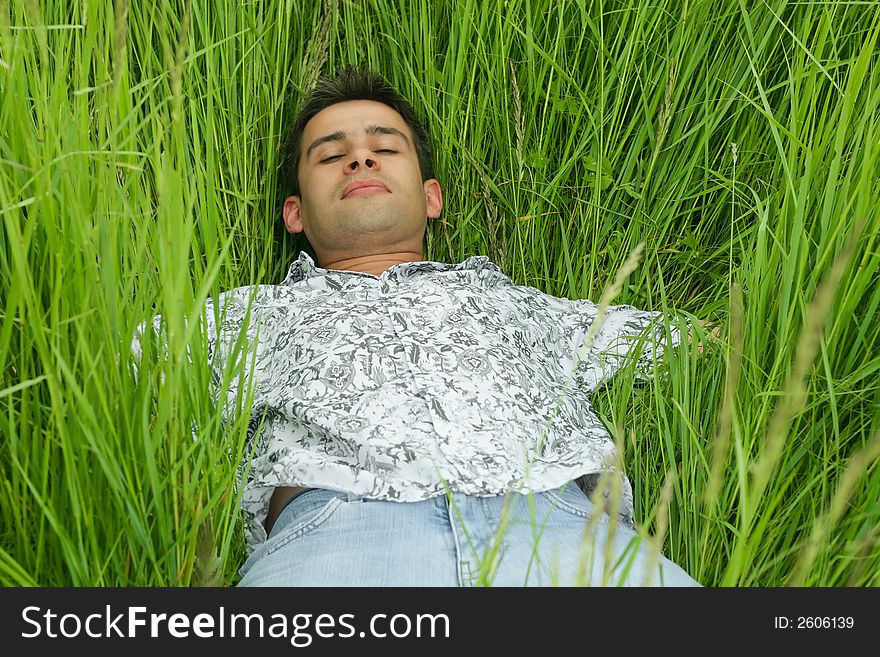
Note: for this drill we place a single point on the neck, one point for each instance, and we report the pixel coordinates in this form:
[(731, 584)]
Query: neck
[(372, 264)]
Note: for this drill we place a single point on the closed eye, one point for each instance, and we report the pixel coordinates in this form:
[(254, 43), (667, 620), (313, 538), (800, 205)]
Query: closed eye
[(331, 158)]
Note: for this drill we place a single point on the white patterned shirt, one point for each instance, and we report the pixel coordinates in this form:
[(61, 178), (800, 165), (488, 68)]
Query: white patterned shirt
[(431, 375)]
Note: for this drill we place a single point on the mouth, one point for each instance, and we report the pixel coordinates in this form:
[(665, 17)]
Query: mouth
[(362, 187)]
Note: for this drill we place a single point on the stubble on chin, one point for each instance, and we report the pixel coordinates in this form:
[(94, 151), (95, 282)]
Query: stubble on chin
[(370, 214)]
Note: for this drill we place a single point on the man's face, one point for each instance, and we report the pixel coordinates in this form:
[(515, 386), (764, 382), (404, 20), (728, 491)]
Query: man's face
[(361, 188)]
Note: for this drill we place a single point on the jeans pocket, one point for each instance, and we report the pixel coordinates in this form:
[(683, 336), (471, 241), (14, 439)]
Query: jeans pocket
[(303, 526), (571, 499), (308, 522)]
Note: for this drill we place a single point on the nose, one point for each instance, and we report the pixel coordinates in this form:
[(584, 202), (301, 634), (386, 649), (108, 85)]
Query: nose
[(355, 165)]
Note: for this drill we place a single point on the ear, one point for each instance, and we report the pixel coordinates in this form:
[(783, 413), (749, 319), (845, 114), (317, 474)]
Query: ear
[(433, 198), (293, 214)]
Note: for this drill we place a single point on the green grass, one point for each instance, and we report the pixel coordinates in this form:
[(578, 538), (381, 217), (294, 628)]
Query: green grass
[(738, 141)]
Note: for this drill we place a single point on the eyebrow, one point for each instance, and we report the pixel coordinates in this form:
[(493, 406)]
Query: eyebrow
[(339, 135)]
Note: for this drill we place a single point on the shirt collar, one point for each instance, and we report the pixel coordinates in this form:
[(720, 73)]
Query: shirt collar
[(304, 267)]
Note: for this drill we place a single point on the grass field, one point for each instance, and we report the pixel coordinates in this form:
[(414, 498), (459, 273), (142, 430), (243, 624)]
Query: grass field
[(740, 141)]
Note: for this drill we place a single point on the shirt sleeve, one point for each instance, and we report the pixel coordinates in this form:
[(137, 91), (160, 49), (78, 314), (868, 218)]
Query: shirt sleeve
[(601, 346), (141, 338), (153, 332)]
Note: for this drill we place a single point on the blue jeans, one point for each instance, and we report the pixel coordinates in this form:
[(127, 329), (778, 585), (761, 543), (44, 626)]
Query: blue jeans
[(328, 538)]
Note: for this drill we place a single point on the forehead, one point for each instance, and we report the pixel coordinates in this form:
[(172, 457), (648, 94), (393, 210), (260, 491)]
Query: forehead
[(352, 116)]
